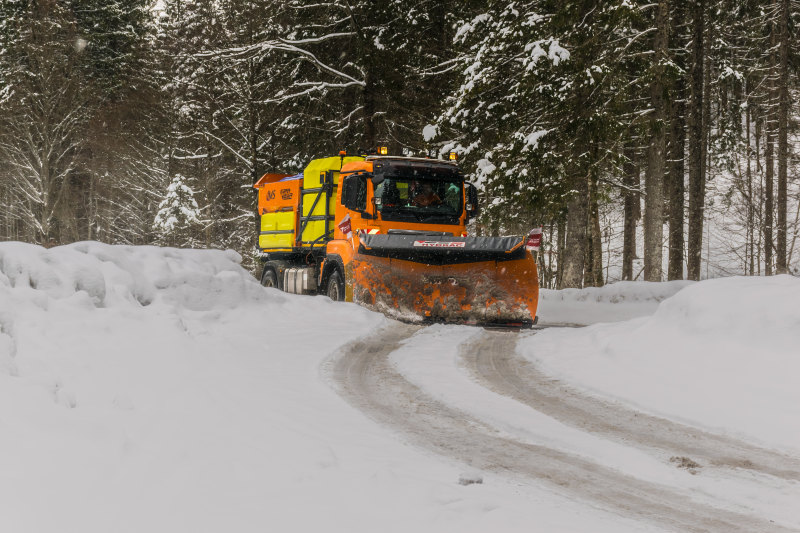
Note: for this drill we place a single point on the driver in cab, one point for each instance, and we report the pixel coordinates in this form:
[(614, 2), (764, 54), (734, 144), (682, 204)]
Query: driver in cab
[(425, 196)]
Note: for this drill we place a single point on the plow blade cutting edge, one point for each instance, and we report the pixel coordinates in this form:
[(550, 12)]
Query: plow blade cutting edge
[(466, 280)]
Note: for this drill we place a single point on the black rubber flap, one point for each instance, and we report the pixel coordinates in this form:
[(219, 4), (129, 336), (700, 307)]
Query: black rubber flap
[(442, 249)]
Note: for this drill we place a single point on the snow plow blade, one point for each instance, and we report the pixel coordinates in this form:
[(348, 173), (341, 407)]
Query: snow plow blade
[(488, 281)]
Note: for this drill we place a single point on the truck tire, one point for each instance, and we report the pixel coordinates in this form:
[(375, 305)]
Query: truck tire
[(335, 287), (269, 278)]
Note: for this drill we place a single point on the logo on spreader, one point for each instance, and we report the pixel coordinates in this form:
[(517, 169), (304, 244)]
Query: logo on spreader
[(440, 244)]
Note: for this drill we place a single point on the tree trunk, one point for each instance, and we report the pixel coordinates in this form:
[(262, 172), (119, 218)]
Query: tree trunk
[(91, 209), (656, 159), (677, 166), (750, 200), (783, 126), (758, 126), (552, 243), (706, 161), (597, 245), (252, 133), (769, 161), (594, 257), (575, 246), (769, 196), (676, 194), (562, 245), (632, 212), (370, 135), (696, 142)]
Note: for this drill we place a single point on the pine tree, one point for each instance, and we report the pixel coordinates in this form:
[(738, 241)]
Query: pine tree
[(178, 215), (544, 105), (113, 34), (117, 64), (43, 115)]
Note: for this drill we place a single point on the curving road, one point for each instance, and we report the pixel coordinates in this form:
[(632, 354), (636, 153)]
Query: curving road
[(364, 376), (495, 363)]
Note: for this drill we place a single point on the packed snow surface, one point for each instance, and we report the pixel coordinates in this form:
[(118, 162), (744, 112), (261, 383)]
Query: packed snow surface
[(155, 389), (431, 360)]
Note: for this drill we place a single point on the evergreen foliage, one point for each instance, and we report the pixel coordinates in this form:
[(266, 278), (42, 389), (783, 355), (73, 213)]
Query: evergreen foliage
[(178, 215), (561, 112)]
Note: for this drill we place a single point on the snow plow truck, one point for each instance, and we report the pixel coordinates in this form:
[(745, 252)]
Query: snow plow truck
[(389, 233)]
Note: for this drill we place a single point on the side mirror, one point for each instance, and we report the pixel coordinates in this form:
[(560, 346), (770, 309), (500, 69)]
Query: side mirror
[(350, 186), (354, 194), (473, 208)]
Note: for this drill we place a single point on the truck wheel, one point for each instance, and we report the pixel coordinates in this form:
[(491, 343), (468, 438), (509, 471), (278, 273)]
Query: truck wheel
[(335, 288), (269, 278)]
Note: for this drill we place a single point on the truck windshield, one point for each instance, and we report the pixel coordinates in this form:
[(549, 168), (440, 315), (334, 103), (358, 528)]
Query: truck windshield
[(420, 200)]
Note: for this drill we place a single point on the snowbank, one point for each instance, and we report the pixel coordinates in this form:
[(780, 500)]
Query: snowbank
[(611, 303), (155, 389), (138, 275), (723, 353)]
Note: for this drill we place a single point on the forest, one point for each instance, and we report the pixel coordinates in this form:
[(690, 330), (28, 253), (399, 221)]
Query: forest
[(651, 140)]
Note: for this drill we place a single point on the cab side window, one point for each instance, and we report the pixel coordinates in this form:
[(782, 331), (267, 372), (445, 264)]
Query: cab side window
[(361, 202)]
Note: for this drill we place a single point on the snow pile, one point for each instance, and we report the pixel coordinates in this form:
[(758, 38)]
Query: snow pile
[(723, 354), (114, 275), (156, 389), (611, 303)]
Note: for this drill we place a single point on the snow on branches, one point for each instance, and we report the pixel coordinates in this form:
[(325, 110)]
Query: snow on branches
[(177, 213)]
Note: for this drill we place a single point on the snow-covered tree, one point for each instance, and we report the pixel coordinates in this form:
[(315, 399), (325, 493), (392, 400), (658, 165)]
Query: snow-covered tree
[(74, 84), (178, 218), (544, 101), (352, 74), (43, 114), (550, 104)]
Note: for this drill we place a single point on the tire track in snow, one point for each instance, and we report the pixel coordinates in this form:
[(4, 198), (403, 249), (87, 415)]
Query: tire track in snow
[(363, 375), (493, 360)]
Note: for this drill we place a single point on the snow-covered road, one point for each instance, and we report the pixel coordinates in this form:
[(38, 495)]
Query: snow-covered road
[(150, 389), (492, 439), (495, 362)]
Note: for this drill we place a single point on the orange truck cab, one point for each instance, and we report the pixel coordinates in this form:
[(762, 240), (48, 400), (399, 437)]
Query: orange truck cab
[(390, 234)]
